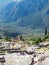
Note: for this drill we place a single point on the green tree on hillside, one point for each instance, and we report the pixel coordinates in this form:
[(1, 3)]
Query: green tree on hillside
[(20, 37), (45, 30)]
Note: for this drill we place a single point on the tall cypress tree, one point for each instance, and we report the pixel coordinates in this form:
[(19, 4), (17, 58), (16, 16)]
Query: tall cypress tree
[(45, 30)]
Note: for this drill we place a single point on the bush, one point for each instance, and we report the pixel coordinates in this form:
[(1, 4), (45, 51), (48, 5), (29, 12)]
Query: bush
[(45, 37), (7, 38), (48, 47), (36, 40)]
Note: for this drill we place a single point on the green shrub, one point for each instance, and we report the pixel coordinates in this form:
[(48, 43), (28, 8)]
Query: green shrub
[(7, 38), (36, 40), (48, 47), (45, 37)]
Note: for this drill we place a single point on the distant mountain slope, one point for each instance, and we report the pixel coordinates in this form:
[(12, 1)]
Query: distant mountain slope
[(13, 11), (25, 14)]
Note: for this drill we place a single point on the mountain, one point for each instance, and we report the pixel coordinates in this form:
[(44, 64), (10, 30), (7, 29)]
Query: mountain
[(25, 14), (13, 11)]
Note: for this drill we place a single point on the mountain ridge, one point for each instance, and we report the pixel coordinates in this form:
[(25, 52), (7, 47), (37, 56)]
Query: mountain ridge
[(26, 14)]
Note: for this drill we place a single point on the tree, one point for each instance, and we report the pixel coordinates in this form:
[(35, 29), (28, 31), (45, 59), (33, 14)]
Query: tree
[(20, 37), (45, 30), (0, 37)]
